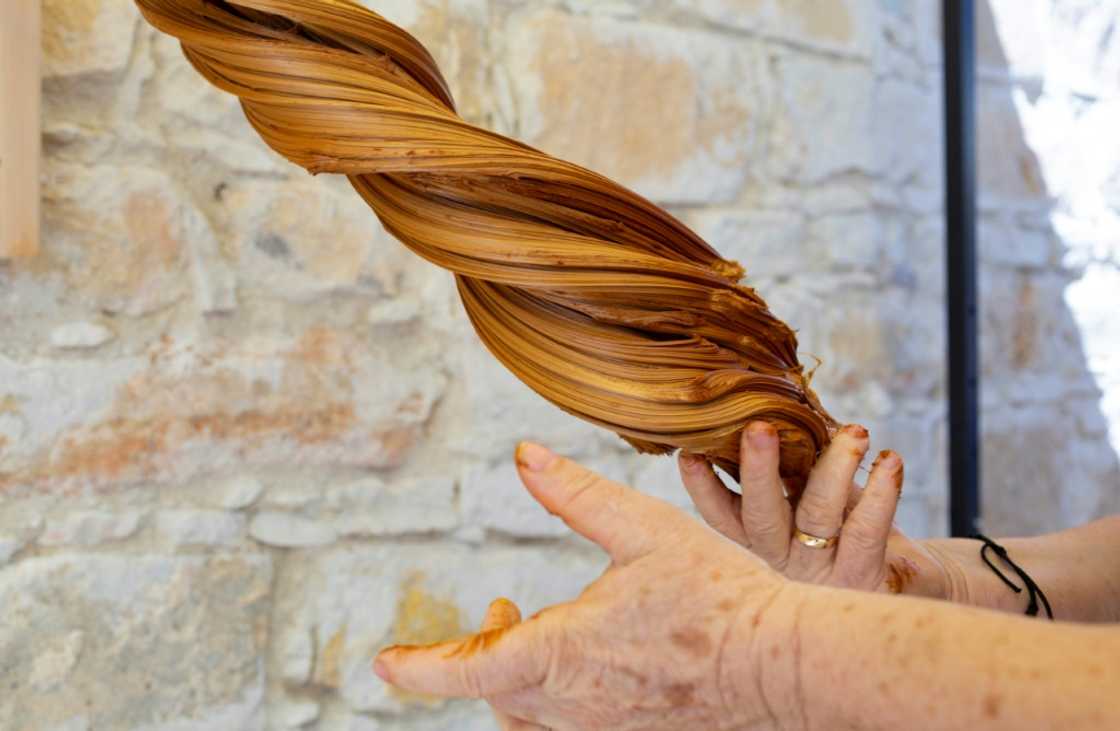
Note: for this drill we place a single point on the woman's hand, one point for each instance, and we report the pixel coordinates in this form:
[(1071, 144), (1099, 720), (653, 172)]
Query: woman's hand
[(868, 552), (503, 615), (671, 636)]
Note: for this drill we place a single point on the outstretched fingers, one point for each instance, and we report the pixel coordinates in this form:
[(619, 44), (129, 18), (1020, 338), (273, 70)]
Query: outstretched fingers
[(621, 520)]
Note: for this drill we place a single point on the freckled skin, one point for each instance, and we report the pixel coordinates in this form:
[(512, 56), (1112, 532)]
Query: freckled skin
[(992, 703), (632, 669), (679, 694), (607, 661), (672, 670), (692, 641)]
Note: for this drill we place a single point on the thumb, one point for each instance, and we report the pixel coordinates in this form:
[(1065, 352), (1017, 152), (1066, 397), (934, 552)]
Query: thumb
[(502, 614), (498, 660), (623, 521)]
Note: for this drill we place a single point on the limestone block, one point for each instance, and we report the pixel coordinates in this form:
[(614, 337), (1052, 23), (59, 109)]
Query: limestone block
[(766, 243), (236, 493), (134, 642), (90, 528), (371, 507), (838, 25), (184, 409), (674, 114), (125, 246), (200, 527), (1008, 171), (80, 336), (289, 531), (905, 127), (812, 89), (87, 36)]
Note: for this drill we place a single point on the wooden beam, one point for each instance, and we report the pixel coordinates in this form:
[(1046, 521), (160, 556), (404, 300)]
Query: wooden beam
[(20, 146)]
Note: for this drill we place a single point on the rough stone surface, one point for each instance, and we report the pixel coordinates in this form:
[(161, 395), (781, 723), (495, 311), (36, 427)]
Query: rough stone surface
[(87, 36), (246, 438), (9, 547), (289, 531), (200, 527), (90, 528), (235, 493), (674, 113), (812, 88), (80, 336), (297, 713), (138, 636), (371, 508)]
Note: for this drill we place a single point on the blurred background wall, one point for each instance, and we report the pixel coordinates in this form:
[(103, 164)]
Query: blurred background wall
[(246, 438)]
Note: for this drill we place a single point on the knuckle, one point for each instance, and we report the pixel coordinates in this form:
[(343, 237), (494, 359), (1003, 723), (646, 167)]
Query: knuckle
[(818, 528), (763, 525), (814, 503), (817, 513), (469, 680), (863, 537), (582, 487), (755, 472), (720, 524), (853, 578), (563, 662)]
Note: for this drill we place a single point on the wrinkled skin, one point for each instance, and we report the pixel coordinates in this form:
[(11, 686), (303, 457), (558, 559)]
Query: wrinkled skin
[(669, 637), (871, 554)]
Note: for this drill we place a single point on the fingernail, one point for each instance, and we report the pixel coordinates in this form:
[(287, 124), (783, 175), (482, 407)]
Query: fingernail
[(533, 457), (381, 669), (761, 433), (855, 430), (887, 458)]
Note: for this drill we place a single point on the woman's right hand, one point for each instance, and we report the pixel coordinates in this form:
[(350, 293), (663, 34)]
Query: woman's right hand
[(868, 552)]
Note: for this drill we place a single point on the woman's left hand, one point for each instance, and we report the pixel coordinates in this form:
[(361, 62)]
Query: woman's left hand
[(839, 534), (673, 635)]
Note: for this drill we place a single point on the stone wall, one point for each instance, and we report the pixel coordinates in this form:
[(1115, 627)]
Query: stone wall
[(246, 438), (1049, 111)]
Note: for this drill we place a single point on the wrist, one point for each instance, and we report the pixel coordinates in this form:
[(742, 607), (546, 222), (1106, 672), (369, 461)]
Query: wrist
[(968, 580), (921, 569), (954, 584), (764, 675)]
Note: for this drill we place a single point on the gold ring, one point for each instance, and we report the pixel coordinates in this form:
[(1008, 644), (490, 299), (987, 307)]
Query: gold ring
[(813, 541)]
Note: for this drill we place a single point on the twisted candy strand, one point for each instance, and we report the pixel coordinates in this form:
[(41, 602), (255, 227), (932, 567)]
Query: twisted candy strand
[(600, 301)]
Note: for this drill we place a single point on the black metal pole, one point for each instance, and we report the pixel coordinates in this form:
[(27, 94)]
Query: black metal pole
[(960, 229)]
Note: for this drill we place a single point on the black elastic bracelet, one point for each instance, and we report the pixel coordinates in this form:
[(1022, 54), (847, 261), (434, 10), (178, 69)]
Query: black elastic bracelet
[(1033, 590)]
